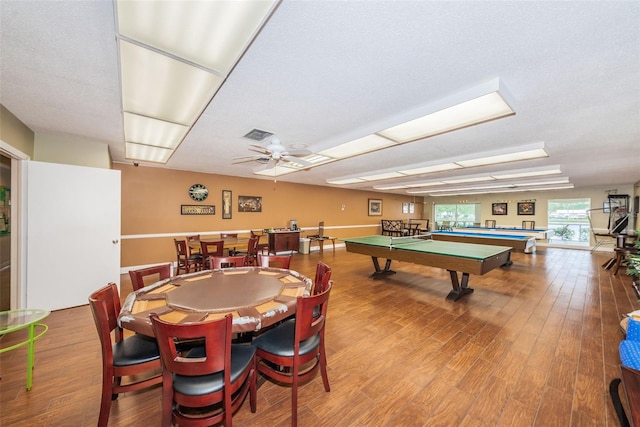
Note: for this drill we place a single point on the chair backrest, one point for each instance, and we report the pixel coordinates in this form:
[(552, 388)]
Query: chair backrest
[(278, 261), (105, 306), (528, 225), (216, 335), (158, 272), (212, 248), (217, 262), (309, 319), (252, 246), (181, 249), (323, 276), (490, 223)]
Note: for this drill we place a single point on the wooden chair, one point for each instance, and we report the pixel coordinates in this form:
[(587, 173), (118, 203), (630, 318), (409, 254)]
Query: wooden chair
[(282, 350), (261, 246), (159, 272), (216, 373), (320, 237), (130, 356), (280, 261), (252, 251), (194, 240), (490, 223), (218, 262), (528, 225), (211, 249), (323, 276), (232, 251), (186, 259)]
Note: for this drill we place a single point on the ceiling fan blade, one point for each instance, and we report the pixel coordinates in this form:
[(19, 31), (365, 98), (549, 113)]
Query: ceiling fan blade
[(272, 163), (244, 159), (260, 150)]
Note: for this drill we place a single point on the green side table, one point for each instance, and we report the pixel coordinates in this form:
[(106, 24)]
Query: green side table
[(15, 320)]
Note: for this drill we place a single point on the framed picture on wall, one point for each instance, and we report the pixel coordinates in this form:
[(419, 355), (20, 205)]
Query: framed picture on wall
[(375, 207), (412, 207), (526, 208), (498, 208), (226, 204), (405, 207), (249, 204)]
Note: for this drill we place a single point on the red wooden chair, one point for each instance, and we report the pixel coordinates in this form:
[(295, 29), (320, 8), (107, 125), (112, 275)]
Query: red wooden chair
[(323, 276), (217, 262), (209, 249), (252, 251), (294, 343), (278, 261), (130, 356), (186, 259), (217, 372), (158, 272)]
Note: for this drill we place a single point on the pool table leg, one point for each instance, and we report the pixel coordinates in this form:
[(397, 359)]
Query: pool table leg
[(460, 288), (379, 272)]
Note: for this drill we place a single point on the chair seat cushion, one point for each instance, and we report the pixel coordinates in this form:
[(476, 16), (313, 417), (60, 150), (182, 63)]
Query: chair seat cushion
[(241, 358), (280, 340), (195, 257), (630, 354), (134, 350)]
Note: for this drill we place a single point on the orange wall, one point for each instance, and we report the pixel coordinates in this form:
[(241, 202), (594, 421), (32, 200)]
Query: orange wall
[(151, 199)]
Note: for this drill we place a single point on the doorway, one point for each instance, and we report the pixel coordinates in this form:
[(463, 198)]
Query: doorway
[(5, 233)]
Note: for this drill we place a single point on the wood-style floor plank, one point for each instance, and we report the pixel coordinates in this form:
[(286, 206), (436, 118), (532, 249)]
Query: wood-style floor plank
[(536, 344)]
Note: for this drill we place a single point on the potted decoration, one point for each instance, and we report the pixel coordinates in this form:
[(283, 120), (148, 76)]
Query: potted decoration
[(633, 266)]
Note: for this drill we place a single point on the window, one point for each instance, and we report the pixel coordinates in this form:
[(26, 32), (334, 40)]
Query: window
[(568, 221), (461, 215)]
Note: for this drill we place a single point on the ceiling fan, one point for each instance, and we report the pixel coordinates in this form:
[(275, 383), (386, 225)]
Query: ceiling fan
[(273, 154)]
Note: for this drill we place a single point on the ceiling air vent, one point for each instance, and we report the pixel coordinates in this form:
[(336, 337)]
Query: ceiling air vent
[(258, 135)]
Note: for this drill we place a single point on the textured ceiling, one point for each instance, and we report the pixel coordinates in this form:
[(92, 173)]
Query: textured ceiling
[(325, 72)]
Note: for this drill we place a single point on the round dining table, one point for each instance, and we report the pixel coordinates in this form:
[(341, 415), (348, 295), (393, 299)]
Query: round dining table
[(257, 297)]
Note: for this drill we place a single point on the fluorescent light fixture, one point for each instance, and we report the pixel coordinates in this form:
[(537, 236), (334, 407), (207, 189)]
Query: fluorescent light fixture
[(504, 158), (174, 56), (145, 130), (276, 171), (525, 173), (479, 110), (507, 186), (155, 85), (147, 153), (386, 175), (358, 146), (389, 187), (468, 179), (210, 33), (344, 181), (530, 151), (506, 190), (430, 169)]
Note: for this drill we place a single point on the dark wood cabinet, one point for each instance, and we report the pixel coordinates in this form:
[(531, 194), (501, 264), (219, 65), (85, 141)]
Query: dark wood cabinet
[(284, 241)]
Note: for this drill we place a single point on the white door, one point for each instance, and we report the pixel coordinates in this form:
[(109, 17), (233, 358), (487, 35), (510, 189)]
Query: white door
[(73, 233)]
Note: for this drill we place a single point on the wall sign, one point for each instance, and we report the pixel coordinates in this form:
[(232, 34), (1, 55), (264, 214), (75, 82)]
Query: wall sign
[(197, 210)]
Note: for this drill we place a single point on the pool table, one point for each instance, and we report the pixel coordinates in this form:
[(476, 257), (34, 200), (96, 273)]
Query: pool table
[(527, 244), (453, 256)]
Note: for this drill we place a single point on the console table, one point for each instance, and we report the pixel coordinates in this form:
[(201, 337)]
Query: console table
[(283, 241)]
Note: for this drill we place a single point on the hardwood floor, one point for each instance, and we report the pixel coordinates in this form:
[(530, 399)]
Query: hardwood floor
[(535, 344)]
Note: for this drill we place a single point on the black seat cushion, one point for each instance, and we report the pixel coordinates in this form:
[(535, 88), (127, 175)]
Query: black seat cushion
[(241, 358), (280, 340), (134, 350)]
